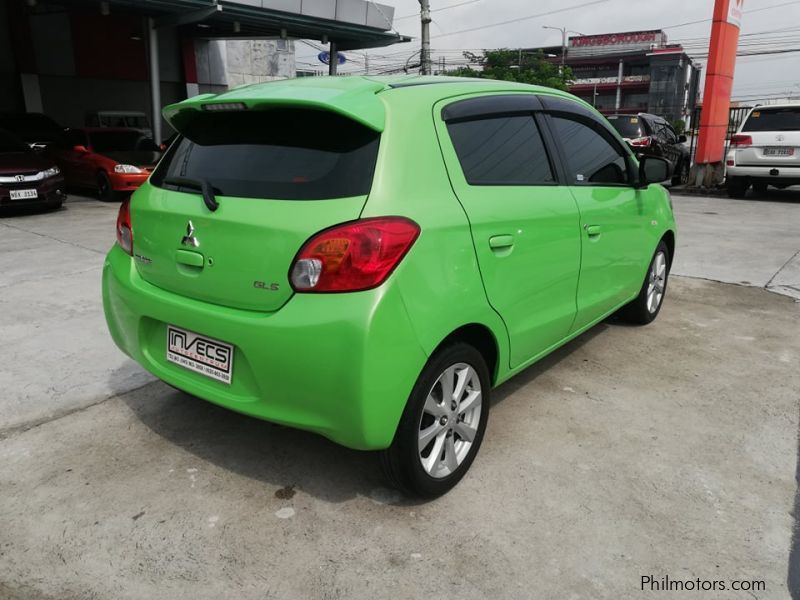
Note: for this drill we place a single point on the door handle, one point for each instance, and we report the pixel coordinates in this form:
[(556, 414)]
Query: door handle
[(498, 242), (189, 258), (592, 230)]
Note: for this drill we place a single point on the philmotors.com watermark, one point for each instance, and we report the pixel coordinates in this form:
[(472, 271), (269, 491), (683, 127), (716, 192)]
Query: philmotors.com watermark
[(665, 583)]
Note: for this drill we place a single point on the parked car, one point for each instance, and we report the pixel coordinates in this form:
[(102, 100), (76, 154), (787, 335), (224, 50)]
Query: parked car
[(651, 135), (120, 118), (114, 162), (26, 177), (765, 150), (367, 258), (35, 129)]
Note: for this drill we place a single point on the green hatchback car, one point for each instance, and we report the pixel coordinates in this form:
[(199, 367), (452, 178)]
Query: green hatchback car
[(367, 257)]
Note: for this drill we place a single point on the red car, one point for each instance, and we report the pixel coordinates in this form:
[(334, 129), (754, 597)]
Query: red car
[(114, 162), (27, 178)]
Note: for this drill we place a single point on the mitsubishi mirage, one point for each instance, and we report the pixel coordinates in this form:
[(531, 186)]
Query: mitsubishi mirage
[(367, 258)]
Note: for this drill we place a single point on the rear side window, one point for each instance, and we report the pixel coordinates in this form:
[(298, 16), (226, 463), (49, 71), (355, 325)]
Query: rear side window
[(774, 119), (504, 150), (280, 154), (592, 158)]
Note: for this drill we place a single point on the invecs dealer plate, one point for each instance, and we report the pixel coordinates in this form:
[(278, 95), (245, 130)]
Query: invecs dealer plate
[(200, 354)]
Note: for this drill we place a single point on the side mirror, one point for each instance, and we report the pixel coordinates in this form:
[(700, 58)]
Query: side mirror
[(653, 169), (681, 139), (80, 149)]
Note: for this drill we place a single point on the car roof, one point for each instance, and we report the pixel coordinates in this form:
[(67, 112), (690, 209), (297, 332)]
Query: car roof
[(354, 96), (107, 130), (783, 105)]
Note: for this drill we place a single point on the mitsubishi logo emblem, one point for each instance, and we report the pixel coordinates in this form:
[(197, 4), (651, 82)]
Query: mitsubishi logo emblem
[(19, 177), (189, 239), (780, 138)]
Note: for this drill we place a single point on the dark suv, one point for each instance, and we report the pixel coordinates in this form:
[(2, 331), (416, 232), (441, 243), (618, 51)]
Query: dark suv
[(652, 135)]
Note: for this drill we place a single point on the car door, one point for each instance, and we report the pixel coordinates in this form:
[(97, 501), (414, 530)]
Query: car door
[(601, 174), (524, 223)]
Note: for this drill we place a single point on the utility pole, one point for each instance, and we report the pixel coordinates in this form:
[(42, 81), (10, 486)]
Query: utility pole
[(425, 53)]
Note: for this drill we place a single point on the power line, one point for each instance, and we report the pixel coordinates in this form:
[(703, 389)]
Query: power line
[(439, 9), (525, 18)]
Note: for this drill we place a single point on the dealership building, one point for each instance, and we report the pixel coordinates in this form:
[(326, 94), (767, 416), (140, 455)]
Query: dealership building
[(72, 58), (630, 72)]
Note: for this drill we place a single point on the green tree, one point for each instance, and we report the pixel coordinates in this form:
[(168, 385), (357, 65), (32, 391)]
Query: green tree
[(523, 66)]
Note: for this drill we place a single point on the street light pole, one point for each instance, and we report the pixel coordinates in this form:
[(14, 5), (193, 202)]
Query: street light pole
[(425, 21), (564, 31)]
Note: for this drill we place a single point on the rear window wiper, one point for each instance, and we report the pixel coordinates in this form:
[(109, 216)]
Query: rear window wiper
[(199, 184)]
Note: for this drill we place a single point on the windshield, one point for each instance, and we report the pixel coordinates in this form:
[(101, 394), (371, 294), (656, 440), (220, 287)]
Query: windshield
[(281, 154), (30, 126), (774, 119), (628, 127), (11, 143), (116, 141)]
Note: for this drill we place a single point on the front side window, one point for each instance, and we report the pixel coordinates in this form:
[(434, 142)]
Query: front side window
[(277, 154), (592, 159), (501, 150)]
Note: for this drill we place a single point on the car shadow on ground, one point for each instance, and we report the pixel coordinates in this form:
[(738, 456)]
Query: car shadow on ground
[(789, 196), (284, 457)]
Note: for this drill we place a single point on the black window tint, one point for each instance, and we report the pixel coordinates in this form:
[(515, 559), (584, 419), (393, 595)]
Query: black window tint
[(501, 151), (75, 137), (592, 159), (773, 119), (279, 154)]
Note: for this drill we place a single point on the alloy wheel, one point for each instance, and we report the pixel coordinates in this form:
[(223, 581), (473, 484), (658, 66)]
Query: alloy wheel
[(657, 282), (449, 421)]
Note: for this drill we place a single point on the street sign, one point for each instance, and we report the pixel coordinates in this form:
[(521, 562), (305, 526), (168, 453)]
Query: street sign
[(325, 57)]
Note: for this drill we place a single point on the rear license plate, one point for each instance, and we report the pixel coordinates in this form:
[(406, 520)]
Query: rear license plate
[(778, 151), (23, 194), (200, 354)]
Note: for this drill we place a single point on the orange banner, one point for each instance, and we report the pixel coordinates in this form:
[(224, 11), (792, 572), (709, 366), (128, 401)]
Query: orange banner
[(719, 81)]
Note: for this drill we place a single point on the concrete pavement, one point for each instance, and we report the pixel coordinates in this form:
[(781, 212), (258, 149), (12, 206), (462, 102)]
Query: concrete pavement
[(665, 450)]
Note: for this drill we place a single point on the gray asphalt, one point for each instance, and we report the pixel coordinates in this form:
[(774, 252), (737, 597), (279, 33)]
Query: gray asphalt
[(666, 450)]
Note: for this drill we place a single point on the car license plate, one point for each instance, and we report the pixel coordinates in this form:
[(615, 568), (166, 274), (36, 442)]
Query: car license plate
[(200, 354), (778, 151), (23, 194)]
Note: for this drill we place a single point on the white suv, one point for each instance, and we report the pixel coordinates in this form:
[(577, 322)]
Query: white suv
[(766, 150)]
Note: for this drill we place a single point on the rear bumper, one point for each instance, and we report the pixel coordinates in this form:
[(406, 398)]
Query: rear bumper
[(341, 365), (764, 172)]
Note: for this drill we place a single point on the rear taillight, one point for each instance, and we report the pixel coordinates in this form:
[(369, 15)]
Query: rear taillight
[(741, 141), (124, 228), (354, 256), (642, 142)]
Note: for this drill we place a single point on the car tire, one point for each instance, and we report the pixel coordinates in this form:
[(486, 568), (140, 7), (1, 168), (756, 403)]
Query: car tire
[(737, 187), (434, 419), (681, 176), (645, 307), (105, 191)]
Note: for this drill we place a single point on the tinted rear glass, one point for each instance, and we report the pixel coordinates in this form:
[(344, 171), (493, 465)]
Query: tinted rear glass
[(281, 154), (628, 127), (774, 119)]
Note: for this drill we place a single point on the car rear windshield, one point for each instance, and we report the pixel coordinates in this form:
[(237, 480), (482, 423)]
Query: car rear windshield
[(280, 154), (774, 119), (628, 127)]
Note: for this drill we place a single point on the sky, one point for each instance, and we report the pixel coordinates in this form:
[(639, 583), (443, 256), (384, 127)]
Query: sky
[(766, 25)]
